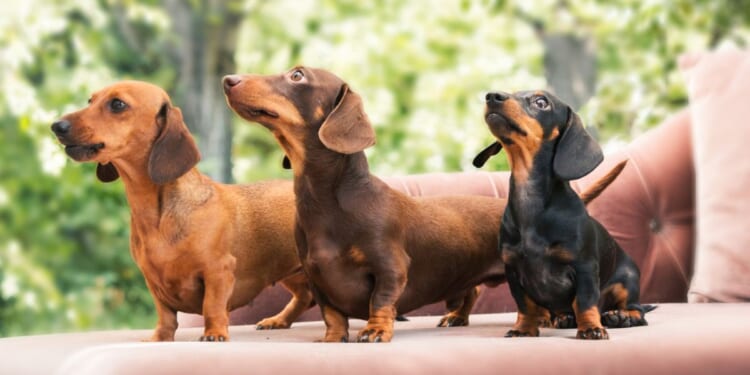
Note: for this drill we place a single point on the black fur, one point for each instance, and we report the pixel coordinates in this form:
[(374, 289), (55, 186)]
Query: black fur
[(555, 252)]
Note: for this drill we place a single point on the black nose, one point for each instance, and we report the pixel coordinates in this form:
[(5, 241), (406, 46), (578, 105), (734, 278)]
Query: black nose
[(231, 81), (61, 127), (496, 97)]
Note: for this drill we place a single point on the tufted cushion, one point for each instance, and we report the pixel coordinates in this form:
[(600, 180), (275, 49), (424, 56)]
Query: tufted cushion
[(648, 209), (718, 87)]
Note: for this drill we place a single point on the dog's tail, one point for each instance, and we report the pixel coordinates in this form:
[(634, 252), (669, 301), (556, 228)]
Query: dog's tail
[(598, 187)]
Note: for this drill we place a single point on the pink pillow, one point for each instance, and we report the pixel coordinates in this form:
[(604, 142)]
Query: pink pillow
[(719, 89)]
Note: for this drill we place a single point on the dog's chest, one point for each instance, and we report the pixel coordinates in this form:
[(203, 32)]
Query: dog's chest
[(544, 272), (172, 279), (550, 285), (341, 274), (181, 293)]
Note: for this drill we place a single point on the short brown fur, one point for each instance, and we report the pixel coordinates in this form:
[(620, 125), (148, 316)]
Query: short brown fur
[(416, 250), (203, 247)]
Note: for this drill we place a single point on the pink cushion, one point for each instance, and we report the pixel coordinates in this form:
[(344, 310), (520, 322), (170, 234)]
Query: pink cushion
[(680, 339), (719, 87), (649, 208)]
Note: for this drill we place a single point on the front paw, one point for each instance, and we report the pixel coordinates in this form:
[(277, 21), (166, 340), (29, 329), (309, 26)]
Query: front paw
[(519, 333), (375, 333), (272, 323), (335, 337), (160, 335), (597, 333), (214, 335), (453, 320)]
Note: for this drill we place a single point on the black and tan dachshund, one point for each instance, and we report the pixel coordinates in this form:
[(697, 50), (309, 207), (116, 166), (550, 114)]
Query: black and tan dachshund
[(556, 256)]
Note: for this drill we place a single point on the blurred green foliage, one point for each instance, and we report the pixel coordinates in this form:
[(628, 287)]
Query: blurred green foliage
[(421, 66)]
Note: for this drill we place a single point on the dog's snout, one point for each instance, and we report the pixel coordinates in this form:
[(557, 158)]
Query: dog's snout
[(231, 81), (496, 97), (61, 127)]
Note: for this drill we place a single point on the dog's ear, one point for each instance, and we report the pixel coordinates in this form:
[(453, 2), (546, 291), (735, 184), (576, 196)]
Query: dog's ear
[(347, 129), (174, 151), (577, 152), (286, 164), (486, 154), (106, 172)]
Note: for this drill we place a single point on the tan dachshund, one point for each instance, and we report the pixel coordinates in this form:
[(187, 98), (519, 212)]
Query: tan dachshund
[(369, 251), (203, 247)]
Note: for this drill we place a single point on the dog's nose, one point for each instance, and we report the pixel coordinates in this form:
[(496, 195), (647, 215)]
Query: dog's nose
[(61, 127), (231, 81), (496, 97)]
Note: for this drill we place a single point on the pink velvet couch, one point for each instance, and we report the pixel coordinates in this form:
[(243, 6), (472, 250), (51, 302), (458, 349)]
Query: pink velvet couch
[(650, 211)]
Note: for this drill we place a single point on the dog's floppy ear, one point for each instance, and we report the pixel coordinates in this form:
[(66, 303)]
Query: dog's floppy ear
[(286, 164), (347, 129), (486, 154), (106, 172), (174, 151), (577, 152)]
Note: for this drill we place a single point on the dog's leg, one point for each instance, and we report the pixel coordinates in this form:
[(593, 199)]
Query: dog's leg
[(585, 304), (301, 300), (390, 281), (219, 284), (619, 299), (529, 313), (545, 318), (166, 323), (337, 325), (527, 322), (459, 309)]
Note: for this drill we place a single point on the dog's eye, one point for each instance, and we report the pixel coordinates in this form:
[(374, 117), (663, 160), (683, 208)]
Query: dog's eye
[(117, 105), (541, 102), (297, 75)]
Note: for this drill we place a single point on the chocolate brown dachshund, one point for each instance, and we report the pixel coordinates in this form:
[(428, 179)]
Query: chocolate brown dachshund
[(203, 247), (369, 251)]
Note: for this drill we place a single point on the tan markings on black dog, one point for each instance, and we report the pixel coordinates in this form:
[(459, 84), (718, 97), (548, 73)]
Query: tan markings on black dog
[(589, 323), (525, 146), (508, 256), (560, 254), (203, 247), (527, 323)]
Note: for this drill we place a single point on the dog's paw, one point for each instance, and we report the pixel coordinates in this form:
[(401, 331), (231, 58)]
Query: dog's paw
[(215, 335), (564, 321), (212, 338), (623, 318), (375, 333), (518, 333), (272, 323), (158, 339), (453, 320), (160, 335), (595, 333), (335, 338)]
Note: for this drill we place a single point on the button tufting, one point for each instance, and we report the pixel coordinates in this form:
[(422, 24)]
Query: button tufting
[(655, 225)]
